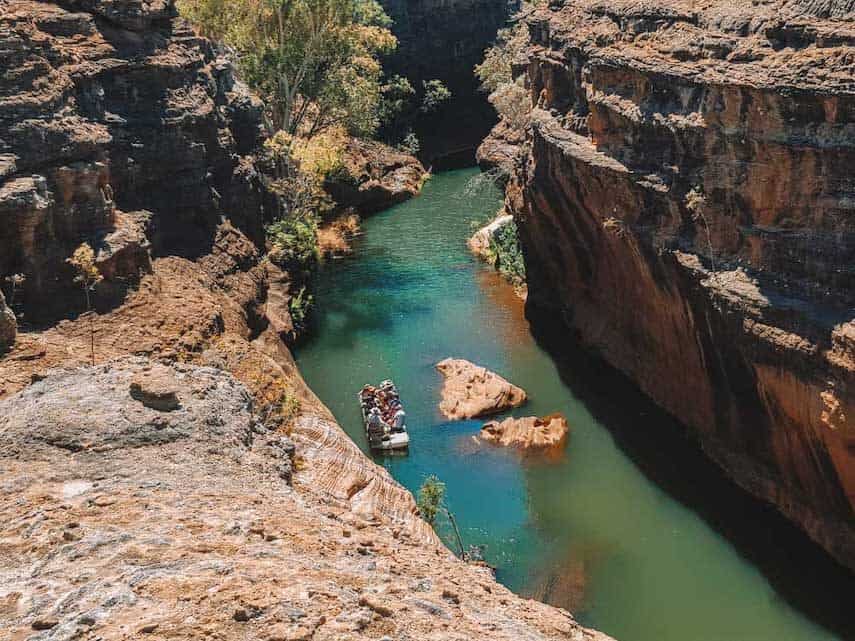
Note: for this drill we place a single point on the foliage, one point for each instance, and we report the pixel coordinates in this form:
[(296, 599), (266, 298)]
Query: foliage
[(300, 306), (401, 105), (435, 93), (315, 62), (507, 95), (431, 498), (410, 144), (295, 242), (506, 254), (512, 102)]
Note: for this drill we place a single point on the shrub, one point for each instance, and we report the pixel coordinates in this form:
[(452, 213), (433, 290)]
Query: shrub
[(431, 498), (300, 306), (295, 242), (506, 254)]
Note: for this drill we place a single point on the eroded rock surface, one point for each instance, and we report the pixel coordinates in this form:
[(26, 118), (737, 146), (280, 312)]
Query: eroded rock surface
[(469, 390), (122, 521), (8, 325), (685, 204), (109, 107), (528, 433), (377, 177)]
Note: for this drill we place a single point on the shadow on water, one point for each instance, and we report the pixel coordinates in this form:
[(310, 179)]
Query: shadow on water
[(800, 571)]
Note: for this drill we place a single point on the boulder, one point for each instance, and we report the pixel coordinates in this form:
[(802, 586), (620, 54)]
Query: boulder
[(479, 243), (528, 432), (8, 325), (470, 391)]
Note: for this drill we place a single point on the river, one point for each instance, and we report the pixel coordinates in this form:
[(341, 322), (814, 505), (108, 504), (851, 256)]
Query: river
[(630, 529)]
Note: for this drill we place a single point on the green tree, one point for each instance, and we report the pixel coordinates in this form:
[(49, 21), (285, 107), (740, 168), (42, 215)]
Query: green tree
[(431, 498), (315, 62)]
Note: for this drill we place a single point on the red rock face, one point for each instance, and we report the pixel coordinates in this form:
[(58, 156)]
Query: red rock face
[(685, 202), (109, 107)]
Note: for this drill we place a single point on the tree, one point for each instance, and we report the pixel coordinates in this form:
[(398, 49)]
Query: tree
[(316, 62), (431, 498), (88, 275), (431, 503)]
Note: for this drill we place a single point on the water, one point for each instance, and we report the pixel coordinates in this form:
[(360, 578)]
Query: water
[(630, 529)]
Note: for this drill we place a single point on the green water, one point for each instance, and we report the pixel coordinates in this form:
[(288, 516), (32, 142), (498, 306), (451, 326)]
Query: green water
[(630, 529)]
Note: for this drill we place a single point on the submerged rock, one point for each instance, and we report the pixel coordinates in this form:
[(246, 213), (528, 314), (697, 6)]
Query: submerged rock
[(528, 432), (470, 391)]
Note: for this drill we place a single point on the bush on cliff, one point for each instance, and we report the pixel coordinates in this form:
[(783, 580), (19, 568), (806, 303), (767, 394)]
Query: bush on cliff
[(506, 254)]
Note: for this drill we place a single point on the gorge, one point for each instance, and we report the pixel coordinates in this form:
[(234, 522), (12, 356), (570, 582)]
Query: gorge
[(681, 190)]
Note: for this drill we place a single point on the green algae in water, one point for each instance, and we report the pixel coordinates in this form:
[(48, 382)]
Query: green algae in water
[(624, 532)]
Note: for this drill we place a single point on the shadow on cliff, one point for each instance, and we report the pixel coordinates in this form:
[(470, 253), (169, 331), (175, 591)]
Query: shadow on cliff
[(800, 571)]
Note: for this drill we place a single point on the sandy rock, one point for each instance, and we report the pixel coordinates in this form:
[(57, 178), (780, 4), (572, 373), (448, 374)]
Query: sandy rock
[(479, 243), (156, 388), (8, 325), (470, 391), (528, 433), (166, 544), (377, 177)]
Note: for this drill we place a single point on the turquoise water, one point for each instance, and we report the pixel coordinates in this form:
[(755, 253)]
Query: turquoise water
[(630, 529)]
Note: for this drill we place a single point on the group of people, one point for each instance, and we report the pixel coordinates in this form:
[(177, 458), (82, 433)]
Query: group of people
[(383, 409)]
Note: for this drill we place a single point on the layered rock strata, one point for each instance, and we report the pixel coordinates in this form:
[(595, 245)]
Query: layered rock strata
[(189, 485), (113, 107), (123, 521), (685, 201)]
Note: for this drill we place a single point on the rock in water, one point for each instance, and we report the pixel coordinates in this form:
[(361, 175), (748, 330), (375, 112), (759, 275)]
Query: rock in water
[(470, 391), (8, 326), (479, 243), (528, 433)]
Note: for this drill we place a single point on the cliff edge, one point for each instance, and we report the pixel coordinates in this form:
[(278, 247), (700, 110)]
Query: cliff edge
[(684, 201)]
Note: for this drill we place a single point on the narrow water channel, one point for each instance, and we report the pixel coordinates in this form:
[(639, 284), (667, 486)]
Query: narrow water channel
[(630, 529)]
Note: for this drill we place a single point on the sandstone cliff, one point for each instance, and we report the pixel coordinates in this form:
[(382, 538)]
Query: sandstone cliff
[(117, 123), (684, 199)]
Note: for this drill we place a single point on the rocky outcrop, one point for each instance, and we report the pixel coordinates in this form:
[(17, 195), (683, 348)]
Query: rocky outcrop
[(123, 520), (469, 391), (528, 433), (112, 107), (8, 325), (479, 242), (375, 177), (685, 205)]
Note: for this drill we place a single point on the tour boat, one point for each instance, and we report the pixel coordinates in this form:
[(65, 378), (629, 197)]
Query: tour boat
[(383, 417)]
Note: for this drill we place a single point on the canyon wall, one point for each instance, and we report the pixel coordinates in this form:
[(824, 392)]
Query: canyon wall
[(445, 40), (685, 202), (119, 126)]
